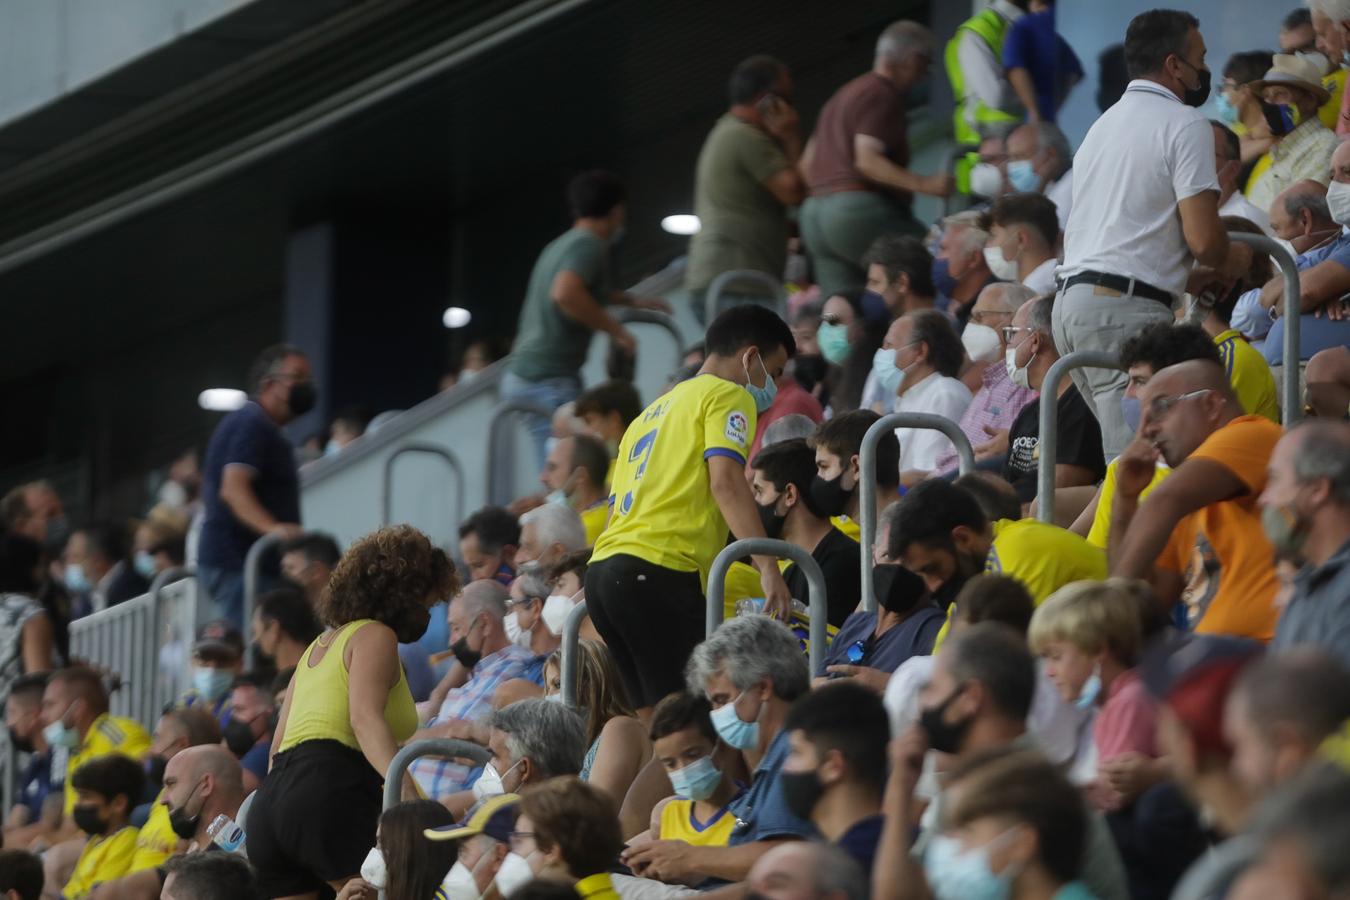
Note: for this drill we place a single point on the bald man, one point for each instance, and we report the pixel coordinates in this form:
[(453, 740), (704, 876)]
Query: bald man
[(805, 870), (1198, 535)]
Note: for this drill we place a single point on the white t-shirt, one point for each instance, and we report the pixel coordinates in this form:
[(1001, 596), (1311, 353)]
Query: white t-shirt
[(1144, 155), (921, 448), (1061, 194), (1238, 205), (1042, 278)]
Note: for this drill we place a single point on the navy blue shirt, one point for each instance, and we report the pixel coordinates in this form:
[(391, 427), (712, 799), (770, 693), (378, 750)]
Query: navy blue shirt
[(912, 637), (245, 437), (257, 759), (1032, 44), (35, 784), (762, 812), (860, 842)]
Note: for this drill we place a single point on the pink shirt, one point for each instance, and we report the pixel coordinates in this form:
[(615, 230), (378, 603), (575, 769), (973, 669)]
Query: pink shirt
[(996, 404), (1126, 723)]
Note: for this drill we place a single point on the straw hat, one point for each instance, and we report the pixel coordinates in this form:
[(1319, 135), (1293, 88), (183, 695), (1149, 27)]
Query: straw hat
[(1293, 71)]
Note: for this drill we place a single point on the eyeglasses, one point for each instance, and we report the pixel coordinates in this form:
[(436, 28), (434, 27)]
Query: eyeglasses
[(979, 315), (1010, 330), (1159, 407)]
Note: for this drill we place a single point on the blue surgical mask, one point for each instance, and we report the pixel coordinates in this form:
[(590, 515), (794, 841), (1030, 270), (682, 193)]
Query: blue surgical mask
[(1131, 412), (889, 376), (737, 732), (763, 396), (211, 683), (145, 564), (76, 582), (1091, 689), (1228, 113), (833, 340), (942, 277), (696, 781), (58, 735), (873, 307), (1022, 176), (956, 874)]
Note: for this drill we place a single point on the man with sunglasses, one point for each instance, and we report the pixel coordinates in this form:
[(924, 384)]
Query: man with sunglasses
[(1198, 535)]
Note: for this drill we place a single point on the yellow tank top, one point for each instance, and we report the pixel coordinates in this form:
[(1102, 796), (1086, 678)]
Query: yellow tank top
[(319, 698)]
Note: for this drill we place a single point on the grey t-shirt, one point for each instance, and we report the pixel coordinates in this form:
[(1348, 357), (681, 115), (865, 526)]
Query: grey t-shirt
[(1318, 613), (549, 343)]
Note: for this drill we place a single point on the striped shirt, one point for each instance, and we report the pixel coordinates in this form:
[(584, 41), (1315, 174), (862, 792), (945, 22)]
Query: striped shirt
[(995, 405), (1302, 154)]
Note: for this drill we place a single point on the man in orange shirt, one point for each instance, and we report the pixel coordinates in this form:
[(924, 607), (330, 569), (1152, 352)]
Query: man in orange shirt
[(1198, 534)]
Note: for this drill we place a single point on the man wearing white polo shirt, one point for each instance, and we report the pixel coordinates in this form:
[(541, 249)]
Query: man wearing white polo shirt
[(1145, 209)]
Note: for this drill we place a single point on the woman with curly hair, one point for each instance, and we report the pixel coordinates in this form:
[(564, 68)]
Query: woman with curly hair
[(314, 818)]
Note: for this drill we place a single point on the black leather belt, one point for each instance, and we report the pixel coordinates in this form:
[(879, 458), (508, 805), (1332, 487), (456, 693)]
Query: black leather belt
[(1130, 286)]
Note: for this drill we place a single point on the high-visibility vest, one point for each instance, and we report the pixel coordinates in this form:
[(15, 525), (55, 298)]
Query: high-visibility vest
[(972, 116)]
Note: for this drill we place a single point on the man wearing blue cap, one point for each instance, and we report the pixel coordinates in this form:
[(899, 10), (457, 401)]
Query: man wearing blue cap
[(485, 841)]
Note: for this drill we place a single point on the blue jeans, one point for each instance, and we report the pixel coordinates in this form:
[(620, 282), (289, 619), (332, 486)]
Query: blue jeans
[(226, 589), (549, 393)]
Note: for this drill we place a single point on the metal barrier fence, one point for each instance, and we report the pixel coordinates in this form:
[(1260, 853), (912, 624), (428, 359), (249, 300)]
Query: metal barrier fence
[(252, 572), (499, 456), (867, 478), (628, 315), (387, 484), (570, 665), (815, 579), (1291, 405), (770, 287), (439, 747), (1049, 423)]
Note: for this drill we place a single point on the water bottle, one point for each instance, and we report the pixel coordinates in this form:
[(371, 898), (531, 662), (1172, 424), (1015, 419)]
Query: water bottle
[(225, 834)]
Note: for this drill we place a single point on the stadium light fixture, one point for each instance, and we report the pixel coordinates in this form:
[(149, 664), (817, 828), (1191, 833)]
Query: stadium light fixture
[(682, 224), (221, 399), (456, 317)]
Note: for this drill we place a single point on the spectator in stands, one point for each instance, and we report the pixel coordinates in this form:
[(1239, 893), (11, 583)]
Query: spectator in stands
[(1040, 161), (960, 271), (1146, 208), (348, 710), (1306, 513), (802, 870), (781, 486), (308, 560), (1296, 32), (576, 474), (1301, 839), (482, 843), (20, 875), (217, 660), (1328, 21), (1090, 634), (838, 446), (106, 789), (488, 541), (531, 742), (210, 876), (941, 535), (200, 784), (248, 734), (857, 162), (608, 409), (1293, 86), (566, 831), (348, 425), (463, 700), (1232, 202), (848, 339), (284, 625), (1041, 66), (249, 482), (34, 509), (976, 702), (1328, 384), (899, 277), (156, 548), (404, 864), (1024, 226), (789, 428), (525, 624), (26, 643), (567, 301), (37, 807), (998, 402), (547, 534), (750, 658), (1218, 456), (921, 357), (790, 399), (746, 180), (686, 743), (675, 499), (986, 104), (98, 564), (835, 769), (1031, 353)]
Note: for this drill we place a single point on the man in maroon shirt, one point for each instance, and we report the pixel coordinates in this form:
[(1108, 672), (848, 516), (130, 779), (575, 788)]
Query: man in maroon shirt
[(856, 164)]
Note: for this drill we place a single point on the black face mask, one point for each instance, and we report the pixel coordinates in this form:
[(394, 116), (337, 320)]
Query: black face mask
[(183, 825), (19, 742), (966, 569), (467, 658), (897, 589), (88, 820), (830, 496), (412, 626), (154, 769), (239, 737), (801, 792), (1277, 118), (772, 521), (943, 737), (302, 397), (1197, 95), (809, 371)]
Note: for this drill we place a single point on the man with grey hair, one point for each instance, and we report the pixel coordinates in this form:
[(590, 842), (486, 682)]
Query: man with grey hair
[(532, 741), (485, 659), (793, 426), (857, 162), (1040, 161), (548, 533), (807, 870), (960, 270), (1303, 832), (1305, 510)]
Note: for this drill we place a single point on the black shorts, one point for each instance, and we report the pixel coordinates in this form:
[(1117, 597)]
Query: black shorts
[(651, 618), (313, 819)]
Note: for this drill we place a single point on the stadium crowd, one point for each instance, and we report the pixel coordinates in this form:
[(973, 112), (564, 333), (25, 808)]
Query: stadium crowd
[(1140, 689)]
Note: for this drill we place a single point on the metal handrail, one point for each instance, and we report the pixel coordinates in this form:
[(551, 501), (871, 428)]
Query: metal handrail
[(157, 586), (1049, 421), (627, 315), (742, 276), (387, 485), (449, 748), (815, 579), (867, 478), (569, 665), (501, 422), (252, 569), (1291, 409)]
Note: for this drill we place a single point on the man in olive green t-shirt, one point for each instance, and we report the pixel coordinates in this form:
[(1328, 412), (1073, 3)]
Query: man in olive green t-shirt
[(565, 303), (746, 179)]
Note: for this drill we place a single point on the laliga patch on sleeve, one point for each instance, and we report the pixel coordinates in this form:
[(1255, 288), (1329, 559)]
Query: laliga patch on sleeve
[(738, 427)]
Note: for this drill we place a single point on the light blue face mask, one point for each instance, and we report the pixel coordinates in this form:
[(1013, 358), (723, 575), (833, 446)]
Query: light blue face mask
[(145, 565), (696, 781), (211, 683), (956, 874), (889, 375), (1228, 113), (1091, 689), (833, 340), (1022, 176), (558, 498), (1131, 412), (763, 396), (76, 582), (731, 728)]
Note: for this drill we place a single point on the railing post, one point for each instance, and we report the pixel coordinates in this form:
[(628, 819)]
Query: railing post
[(815, 579), (570, 668), (502, 419), (1049, 424), (629, 315), (252, 570), (1291, 407), (387, 482), (446, 747), (157, 586), (773, 290), (867, 478)]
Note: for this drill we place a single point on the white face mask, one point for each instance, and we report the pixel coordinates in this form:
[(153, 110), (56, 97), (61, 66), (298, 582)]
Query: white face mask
[(556, 608), (1002, 269), (491, 783), (981, 342), (1018, 376), (514, 633), (986, 180), (373, 869), (460, 883), (1338, 201), (514, 874)]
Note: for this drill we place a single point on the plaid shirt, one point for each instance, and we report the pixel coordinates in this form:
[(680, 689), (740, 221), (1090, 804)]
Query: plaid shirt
[(472, 702), (1302, 154), (996, 405)]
